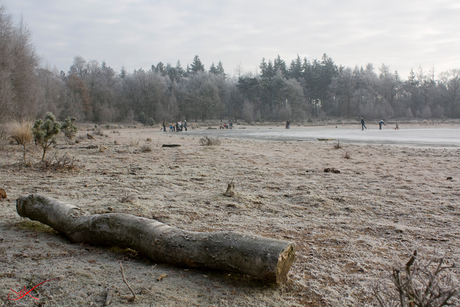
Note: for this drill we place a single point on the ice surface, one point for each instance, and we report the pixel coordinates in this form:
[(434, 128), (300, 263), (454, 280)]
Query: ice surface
[(419, 137)]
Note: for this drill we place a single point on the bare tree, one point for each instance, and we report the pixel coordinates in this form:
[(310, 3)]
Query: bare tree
[(450, 90), (19, 86)]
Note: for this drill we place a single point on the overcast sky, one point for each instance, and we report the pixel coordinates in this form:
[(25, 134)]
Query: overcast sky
[(403, 34)]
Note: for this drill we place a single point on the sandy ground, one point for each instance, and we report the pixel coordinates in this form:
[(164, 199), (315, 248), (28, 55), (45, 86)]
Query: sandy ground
[(350, 227)]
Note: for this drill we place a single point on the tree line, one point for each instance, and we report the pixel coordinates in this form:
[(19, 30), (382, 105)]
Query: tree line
[(301, 90)]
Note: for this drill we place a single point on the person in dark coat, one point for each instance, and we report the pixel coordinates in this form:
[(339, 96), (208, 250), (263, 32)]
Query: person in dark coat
[(362, 124), (382, 122)]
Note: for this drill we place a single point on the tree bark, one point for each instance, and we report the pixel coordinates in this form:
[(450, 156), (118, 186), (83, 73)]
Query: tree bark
[(257, 256)]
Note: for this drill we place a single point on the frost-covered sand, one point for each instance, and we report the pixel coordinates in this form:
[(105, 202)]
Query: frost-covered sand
[(350, 227)]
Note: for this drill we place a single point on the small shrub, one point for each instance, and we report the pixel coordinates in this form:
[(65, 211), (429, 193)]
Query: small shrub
[(69, 129), (207, 141), (151, 122), (3, 132), (99, 132), (146, 148), (337, 145), (126, 198), (45, 131), (142, 118)]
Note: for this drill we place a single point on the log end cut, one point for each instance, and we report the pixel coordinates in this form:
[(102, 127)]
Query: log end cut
[(285, 260), (278, 274)]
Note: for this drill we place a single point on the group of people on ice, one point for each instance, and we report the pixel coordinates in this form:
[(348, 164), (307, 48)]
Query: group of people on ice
[(178, 126)]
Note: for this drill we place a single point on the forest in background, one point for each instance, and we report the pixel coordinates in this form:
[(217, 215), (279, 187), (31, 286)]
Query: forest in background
[(299, 91)]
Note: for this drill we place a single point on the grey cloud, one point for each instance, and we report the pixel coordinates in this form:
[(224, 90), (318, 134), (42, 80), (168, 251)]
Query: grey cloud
[(139, 33)]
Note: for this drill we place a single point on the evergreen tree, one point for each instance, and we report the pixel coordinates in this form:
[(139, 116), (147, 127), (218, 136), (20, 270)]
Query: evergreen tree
[(280, 65), (45, 131), (196, 65), (220, 69), (213, 69), (295, 70)]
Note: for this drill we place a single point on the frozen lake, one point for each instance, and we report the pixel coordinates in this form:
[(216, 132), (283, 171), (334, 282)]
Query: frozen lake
[(418, 137)]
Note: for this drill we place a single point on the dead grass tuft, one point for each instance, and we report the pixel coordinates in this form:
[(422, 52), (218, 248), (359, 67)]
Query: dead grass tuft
[(20, 132), (337, 145), (126, 198), (146, 148), (3, 132), (207, 141), (134, 143)]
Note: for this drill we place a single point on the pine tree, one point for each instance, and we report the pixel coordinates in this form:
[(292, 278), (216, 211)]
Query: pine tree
[(45, 131), (196, 65)]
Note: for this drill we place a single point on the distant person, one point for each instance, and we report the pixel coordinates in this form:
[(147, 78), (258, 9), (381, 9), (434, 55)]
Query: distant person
[(397, 127), (164, 125), (362, 124), (177, 127), (231, 125), (382, 122), (288, 125), (185, 125)]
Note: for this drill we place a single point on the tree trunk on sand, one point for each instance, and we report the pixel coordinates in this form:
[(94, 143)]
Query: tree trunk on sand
[(229, 251)]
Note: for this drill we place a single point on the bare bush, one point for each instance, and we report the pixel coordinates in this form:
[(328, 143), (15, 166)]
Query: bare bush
[(423, 284), (207, 141), (146, 148), (3, 132), (337, 145), (62, 163), (126, 197), (99, 132), (248, 112)]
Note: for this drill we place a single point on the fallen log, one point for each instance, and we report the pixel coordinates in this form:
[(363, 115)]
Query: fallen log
[(257, 256), (171, 145)]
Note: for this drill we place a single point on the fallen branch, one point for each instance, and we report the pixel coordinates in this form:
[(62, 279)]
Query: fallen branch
[(257, 256), (171, 145)]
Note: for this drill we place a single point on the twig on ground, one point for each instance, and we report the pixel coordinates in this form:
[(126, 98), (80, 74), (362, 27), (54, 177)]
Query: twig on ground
[(109, 296), (230, 187), (124, 279)]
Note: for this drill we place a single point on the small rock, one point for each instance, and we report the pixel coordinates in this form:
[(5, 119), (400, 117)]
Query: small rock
[(3, 194)]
